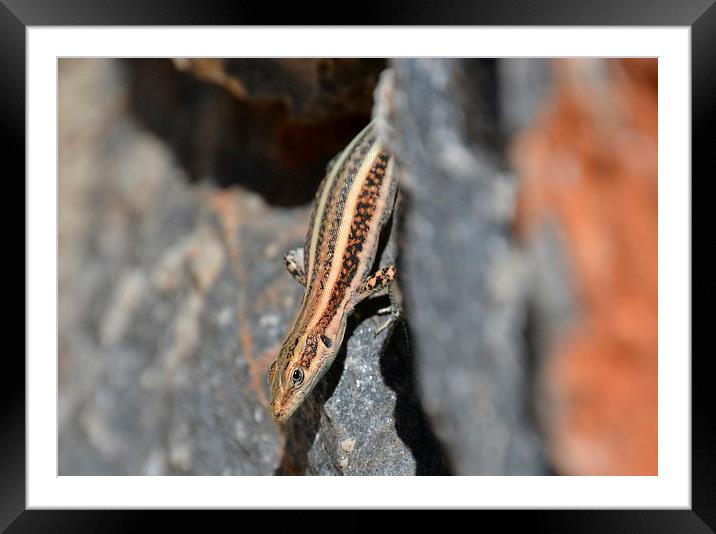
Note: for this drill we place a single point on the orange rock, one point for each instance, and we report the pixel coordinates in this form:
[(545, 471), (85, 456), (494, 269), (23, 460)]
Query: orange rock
[(590, 164)]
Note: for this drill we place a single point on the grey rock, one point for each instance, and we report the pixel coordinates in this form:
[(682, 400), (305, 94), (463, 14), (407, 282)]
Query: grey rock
[(524, 84), (161, 354), (463, 278)]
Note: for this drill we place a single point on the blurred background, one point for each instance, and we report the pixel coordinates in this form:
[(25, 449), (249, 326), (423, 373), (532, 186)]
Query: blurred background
[(527, 237)]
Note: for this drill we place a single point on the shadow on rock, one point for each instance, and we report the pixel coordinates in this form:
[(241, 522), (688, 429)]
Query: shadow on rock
[(398, 369), (255, 143), (411, 426)]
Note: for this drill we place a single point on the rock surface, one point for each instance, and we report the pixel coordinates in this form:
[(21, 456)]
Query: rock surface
[(173, 298), (464, 279)]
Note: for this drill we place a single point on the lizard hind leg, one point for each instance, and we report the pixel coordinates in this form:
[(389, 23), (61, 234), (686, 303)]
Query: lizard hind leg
[(295, 264)]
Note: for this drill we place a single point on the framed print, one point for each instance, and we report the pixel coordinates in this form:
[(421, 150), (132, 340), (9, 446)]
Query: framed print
[(440, 265)]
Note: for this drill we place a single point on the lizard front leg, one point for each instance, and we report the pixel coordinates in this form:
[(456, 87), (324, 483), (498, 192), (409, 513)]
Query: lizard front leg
[(295, 264)]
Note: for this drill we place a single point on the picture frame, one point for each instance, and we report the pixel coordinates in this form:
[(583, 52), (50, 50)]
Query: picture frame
[(16, 16)]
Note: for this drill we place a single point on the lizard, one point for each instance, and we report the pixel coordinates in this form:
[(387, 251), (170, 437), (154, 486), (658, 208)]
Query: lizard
[(335, 266)]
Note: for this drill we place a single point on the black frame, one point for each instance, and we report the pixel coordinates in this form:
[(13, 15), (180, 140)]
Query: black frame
[(700, 15)]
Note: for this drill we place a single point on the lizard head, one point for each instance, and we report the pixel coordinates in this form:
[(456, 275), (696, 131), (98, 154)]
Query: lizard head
[(300, 364)]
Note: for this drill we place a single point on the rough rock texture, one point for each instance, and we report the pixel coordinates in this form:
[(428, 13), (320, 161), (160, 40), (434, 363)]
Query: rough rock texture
[(364, 419), (464, 281), (162, 289), (589, 190)]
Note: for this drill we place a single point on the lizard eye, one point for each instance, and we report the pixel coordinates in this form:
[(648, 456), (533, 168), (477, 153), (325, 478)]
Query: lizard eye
[(297, 377)]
